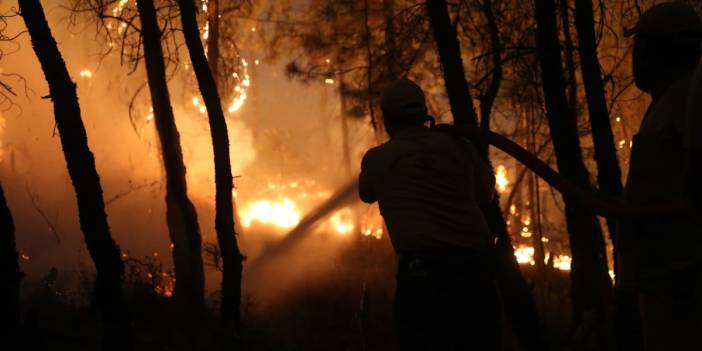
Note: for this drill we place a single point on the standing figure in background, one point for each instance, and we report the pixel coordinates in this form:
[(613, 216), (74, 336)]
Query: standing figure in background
[(659, 256), (430, 186)]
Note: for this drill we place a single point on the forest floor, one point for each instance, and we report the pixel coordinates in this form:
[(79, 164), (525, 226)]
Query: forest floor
[(350, 308)]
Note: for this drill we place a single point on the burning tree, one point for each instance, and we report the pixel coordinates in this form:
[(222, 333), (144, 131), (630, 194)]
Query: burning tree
[(108, 294)]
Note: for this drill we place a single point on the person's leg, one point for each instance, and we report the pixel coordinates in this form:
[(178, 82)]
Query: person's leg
[(484, 316), (414, 309), (470, 307)]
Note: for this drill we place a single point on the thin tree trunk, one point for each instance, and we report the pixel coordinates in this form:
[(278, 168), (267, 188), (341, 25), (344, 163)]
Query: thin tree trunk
[(368, 37), (609, 175), (224, 217), (213, 37), (446, 40), (10, 275), (180, 213), (108, 294), (488, 100), (569, 59), (591, 286), (516, 296), (393, 63)]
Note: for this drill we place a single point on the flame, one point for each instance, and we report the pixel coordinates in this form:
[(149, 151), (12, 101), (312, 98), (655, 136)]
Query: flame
[(501, 178), (562, 262), (283, 204), (372, 222), (86, 73), (524, 255), (164, 284), (240, 89), (206, 31), (117, 10), (342, 221), (282, 213)]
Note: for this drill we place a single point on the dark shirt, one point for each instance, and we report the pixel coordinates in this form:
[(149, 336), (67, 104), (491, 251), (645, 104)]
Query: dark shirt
[(653, 247), (429, 186)]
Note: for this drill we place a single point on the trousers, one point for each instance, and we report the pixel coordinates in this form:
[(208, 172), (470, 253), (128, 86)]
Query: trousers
[(447, 300)]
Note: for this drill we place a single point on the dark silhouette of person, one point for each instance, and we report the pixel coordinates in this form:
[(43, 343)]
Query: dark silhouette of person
[(659, 256), (430, 186)]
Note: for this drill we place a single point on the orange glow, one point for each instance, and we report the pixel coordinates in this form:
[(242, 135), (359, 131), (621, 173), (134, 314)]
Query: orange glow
[(342, 221), (501, 178), (562, 262), (282, 213), (524, 255)]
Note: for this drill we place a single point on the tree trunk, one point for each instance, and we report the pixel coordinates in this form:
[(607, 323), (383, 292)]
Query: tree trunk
[(569, 59), (608, 172), (108, 294), (10, 274), (181, 216), (213, 37), (591, 286), (488, 100), (392, 54), (224, 209), (516, 296), (446, 40), (609, 175)]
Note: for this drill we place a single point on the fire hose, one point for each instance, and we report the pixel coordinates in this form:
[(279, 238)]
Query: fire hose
[(587, 198)]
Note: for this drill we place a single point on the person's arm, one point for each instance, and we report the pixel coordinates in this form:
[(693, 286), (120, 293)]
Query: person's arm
[(365, 186)]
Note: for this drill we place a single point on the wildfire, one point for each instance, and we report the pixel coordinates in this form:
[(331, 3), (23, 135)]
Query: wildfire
[(342, 221), (525, 255), (164, 284), (283, 205), (241, 88), (117, 10), (372, 223), (562, 262), (282, 213), (86, 73), (501, 178)]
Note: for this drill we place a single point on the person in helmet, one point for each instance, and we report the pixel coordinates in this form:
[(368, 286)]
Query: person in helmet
[(659, 256), (430, 186)]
